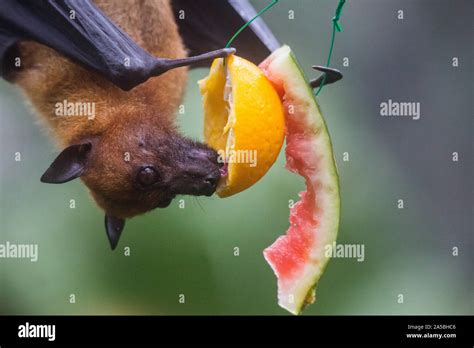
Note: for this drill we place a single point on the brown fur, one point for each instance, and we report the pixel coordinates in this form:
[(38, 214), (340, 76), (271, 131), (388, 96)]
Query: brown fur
[(47, 77)]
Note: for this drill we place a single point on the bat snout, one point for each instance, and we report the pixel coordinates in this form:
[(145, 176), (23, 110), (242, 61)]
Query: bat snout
[(210, 183), (200, 172), (205, 172)]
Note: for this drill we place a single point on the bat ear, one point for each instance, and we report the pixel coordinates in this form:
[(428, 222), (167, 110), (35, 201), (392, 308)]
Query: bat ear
[(69, 164), (113, 227)]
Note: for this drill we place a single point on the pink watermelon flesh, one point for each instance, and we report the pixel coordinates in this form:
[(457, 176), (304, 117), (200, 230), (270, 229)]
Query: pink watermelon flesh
[(298, 258)]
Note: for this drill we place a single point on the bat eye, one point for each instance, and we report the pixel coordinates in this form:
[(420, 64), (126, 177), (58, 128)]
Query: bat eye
[(148, 176)]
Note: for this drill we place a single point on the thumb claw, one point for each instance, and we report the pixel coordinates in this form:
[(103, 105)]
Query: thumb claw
[(330, 76)]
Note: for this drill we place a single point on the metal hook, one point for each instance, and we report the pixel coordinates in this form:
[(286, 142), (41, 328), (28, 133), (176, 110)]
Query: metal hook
[(332, 75)]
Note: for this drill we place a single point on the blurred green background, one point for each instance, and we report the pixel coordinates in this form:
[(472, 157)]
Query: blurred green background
[(190, 251)]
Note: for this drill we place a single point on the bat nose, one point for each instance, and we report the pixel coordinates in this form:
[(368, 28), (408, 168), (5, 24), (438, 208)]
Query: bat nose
[(210, 182)]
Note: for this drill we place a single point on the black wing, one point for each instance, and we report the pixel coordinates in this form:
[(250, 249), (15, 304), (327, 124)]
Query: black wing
[(207, 25), (80, 31)]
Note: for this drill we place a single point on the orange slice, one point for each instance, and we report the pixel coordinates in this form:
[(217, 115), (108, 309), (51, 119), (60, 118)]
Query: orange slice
[(243, 121)]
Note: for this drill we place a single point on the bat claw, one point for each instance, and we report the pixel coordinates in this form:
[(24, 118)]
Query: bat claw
[(228, 51), (163, 65), (332, 75)]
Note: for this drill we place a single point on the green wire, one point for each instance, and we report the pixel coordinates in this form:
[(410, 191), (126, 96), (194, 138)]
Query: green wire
[(336, 26), (248, 23)]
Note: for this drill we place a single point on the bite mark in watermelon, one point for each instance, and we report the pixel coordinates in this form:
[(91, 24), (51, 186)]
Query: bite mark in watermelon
[(298, 258)]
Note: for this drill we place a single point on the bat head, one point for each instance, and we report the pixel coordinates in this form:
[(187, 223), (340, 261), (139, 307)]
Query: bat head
[(131, 169)]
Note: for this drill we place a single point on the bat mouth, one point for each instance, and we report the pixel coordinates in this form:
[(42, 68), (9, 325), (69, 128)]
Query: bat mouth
[(224, 169), (204, 185)]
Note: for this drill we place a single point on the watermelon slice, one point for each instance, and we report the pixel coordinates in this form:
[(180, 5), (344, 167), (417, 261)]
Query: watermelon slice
[(298, 258)]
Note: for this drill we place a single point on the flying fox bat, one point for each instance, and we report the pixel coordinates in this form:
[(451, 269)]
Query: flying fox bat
[(122, 56)]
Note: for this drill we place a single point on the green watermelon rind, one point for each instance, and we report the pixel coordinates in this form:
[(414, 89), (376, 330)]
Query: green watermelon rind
[(334, 175), (317, 118)]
